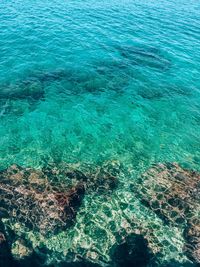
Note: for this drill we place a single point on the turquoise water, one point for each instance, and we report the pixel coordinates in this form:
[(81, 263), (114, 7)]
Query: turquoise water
[(88, 82)]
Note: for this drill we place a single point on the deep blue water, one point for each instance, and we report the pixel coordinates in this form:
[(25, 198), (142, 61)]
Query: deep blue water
[(86, 82)]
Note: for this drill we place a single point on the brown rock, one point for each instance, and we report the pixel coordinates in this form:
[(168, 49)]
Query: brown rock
[(173, 193)]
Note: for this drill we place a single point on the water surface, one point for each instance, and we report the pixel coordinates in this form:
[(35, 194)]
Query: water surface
[(94, 81)]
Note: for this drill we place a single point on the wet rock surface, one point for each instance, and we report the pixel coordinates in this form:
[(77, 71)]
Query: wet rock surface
[(173, 193)]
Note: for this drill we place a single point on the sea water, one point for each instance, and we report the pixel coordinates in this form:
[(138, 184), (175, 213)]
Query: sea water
[(88, 82)]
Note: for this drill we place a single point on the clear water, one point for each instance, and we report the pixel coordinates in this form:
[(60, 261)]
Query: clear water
[(93, 81)]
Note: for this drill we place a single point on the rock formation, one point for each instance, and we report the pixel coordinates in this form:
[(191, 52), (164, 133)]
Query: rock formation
[(173, 193)]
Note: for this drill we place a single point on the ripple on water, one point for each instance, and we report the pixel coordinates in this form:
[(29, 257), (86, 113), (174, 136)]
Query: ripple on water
[(87, 82)]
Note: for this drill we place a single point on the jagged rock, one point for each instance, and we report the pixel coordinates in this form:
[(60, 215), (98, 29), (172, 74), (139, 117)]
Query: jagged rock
[(192, 236), (47, 200), (173, 193), (95, 178), (20, 250), (104, 178), (31, 198), (44, 202)]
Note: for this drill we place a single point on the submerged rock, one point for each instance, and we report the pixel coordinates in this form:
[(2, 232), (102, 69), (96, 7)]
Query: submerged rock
[(173, 193), (144, 56), (31, 199), (47, 200), (20, 250), (36, 204), (32, 87), (22, 96), (192, 237)]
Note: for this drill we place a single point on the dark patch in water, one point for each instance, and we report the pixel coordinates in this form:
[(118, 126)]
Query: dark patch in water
[(5, 250), (115, 75), (53, 76), (28, 89), (104, 68), (25, 94), (147, 57), (152, 93), (33, 87), (83, 263), (174, 263), (133, 252)]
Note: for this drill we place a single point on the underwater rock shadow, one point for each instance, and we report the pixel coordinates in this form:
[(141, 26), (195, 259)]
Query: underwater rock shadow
[(144, 57), (133, 252), (6, 258), (120, 73), (102, 76), (26, 94), (149, 93), (83, 263), (27, 89), (115, 74), (136, 251), (178, 264), (35, 261), (32, 87)]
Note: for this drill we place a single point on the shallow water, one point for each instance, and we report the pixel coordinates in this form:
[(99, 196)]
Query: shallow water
[(88, 82)]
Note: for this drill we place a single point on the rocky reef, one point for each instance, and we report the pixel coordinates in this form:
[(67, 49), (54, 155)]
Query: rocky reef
[(173, 193), (42, 222), (47, 200), (29, 197), (42, 203), (33, 86)]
